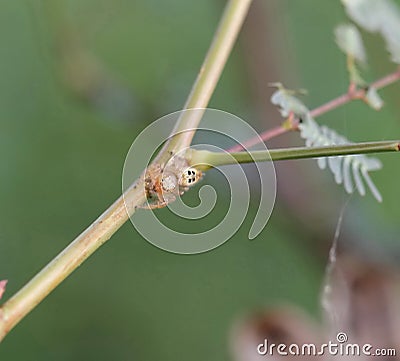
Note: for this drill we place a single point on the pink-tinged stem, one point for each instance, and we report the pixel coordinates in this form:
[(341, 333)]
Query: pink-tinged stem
[(325, 108), (266, 135), (351, 95), (2, 287), (334, 103), (387, 80)]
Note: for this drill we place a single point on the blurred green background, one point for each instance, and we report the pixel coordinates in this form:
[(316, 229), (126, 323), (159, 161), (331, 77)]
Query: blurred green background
[(79, 80)]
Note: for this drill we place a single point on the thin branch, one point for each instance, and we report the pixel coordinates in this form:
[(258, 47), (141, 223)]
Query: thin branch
[(69, 259), (208, 77), (334, 103), (204, 159), (357, 94), (3, 285), (386, 80), (266, 135), (325, 108), (12, 311)]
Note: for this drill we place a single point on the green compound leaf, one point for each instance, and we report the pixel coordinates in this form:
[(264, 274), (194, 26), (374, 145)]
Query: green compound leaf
[(349, 170), (373, 99), (344, 168), (287, 102), (350, 42), (382, 16)]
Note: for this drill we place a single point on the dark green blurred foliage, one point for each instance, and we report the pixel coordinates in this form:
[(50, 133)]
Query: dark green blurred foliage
[(62, 158)]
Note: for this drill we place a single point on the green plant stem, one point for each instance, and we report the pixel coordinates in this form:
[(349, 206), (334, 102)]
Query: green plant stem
[(69, 259), (19, 305), (207, 78), (323, 109), (205, 159)]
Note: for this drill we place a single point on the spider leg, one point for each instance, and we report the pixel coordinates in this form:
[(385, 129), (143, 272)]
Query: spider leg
[(153, 206), (161, 203)]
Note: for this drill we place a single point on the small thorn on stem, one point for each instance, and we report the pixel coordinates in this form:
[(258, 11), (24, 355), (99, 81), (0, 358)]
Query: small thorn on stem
[(2, 287), (290, 123)]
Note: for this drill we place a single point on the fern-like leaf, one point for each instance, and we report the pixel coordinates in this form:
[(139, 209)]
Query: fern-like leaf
[(350, 170), (381, 16), (344, 168), (287, 102)]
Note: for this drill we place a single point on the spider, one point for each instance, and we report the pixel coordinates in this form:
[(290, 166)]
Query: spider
[(163, 185)]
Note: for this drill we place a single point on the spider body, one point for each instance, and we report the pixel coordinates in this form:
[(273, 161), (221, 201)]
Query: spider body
[(190, 176), (163, 185)]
